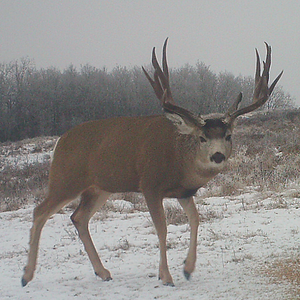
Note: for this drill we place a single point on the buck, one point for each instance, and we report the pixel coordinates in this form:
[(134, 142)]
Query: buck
[(162, 156)]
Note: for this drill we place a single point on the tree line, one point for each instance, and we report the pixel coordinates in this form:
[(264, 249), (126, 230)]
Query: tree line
[(36, 102)]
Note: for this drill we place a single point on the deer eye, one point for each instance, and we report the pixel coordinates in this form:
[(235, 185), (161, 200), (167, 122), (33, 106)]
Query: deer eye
[(228, 138), (202, 139)]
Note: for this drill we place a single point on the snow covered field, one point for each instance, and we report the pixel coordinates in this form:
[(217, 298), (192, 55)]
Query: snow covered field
[(236, 249)]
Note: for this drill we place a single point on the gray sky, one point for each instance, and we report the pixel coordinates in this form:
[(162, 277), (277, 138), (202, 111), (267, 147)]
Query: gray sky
[(221, 33)]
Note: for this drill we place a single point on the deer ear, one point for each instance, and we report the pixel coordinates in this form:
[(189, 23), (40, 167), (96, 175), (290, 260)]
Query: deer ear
[(182, 125)]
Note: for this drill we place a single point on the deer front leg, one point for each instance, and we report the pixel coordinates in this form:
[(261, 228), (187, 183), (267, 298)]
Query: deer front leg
[(158, 216), (190, 209)]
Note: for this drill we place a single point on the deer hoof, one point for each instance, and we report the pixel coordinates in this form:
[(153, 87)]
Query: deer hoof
[(171, 284), (108, 279), (24, 282), (105, 276), (167, 283), (187, 275)]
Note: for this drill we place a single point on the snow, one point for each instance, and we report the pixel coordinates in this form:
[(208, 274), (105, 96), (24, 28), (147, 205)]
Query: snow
[(24, 157), (234, 247)]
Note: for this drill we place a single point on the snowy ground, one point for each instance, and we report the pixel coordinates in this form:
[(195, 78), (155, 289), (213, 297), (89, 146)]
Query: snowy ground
[(26, 153), (243, 240), (235, 248)]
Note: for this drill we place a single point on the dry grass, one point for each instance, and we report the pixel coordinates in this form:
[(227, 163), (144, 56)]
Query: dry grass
[(175, 215), (20, 185), (285, 270), (137, 200)]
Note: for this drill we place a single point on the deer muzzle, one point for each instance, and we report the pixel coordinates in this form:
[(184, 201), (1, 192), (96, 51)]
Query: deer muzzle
[(218, 157)]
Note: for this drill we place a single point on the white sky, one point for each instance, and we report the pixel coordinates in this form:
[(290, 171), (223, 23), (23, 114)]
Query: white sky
[(221, 33)]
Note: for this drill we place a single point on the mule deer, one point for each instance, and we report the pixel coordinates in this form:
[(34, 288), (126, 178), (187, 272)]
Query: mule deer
[(169, 155)]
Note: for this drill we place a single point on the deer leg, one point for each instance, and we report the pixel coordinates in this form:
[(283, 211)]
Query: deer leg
[(190, 209), (158, 216), (40, 215), (91, 201)]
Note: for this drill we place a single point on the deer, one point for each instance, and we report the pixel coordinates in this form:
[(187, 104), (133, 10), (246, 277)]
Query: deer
[(161, 156)]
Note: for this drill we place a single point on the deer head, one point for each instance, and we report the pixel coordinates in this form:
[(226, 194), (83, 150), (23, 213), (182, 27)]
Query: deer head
[(212, 132)]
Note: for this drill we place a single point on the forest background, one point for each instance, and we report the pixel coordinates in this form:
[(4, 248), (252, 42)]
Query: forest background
[(48, 102)]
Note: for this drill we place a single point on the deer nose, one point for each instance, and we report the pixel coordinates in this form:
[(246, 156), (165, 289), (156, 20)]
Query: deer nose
[(218, 157)]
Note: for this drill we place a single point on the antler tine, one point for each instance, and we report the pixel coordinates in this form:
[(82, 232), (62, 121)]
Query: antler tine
[(234, 107), (161, 77), (257, 73), (148, 76), (164, 60), (166, 73), (275, 82), (267, 64), (154, 60), (159, 71), (155, 84), (261, 92)]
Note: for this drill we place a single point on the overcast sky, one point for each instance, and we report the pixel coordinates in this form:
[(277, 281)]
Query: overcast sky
[(221, 33)]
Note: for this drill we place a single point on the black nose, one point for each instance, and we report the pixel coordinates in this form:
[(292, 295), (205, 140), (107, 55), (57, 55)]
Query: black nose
[(218, 157)]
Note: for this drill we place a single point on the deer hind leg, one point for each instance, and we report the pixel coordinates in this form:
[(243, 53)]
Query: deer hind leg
[(190, 209), (41, 214), (91, 200), (158, 216)]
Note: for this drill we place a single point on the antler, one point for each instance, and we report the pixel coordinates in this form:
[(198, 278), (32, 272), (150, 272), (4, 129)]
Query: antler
[(261, 92), (160, 83)]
